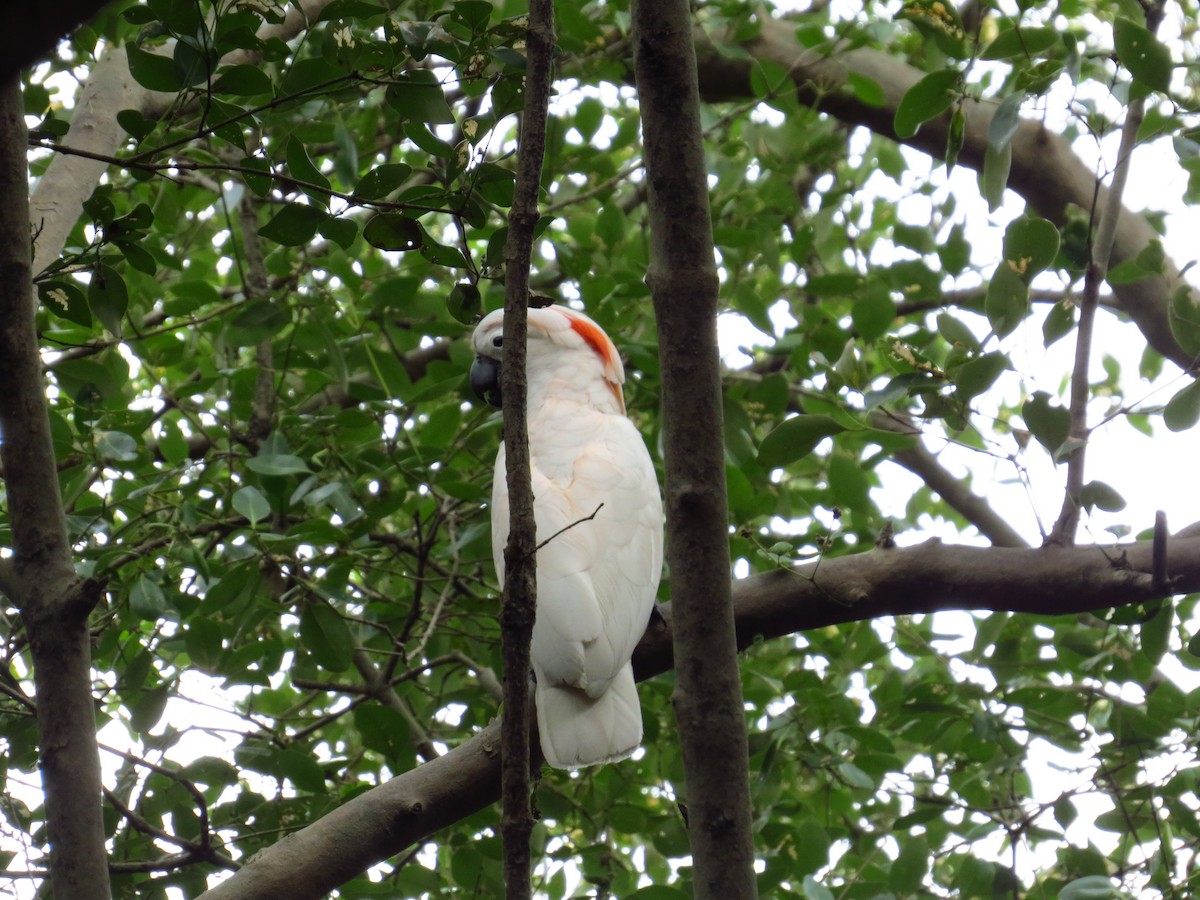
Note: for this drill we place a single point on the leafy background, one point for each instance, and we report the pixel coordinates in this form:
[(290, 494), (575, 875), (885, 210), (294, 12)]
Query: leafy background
[(253, 338)]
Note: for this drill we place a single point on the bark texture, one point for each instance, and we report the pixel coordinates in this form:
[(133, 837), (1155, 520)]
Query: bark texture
[(900, 581), (41, 582), (29, 31), (520, 555), (683, 281)]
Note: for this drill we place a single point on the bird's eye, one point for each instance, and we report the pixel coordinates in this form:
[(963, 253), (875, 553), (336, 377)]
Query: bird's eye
[(497, 341)]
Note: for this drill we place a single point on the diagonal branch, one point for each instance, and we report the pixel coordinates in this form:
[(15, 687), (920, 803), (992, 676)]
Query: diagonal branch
[(1046, 172), (926, 578)]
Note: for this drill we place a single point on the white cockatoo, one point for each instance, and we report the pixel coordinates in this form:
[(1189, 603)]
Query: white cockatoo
[(596, 580)]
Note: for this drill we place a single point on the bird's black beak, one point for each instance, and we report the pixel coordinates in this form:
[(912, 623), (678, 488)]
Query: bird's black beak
[(485, 379)]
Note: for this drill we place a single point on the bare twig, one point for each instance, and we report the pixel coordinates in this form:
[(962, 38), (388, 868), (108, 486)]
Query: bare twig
[(567, 528), (1097, 270)]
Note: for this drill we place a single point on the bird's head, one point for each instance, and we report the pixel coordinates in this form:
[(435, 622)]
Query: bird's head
[(557, 336)]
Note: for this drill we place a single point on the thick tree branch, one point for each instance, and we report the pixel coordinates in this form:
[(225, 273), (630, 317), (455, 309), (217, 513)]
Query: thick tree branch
[(29, 31), (1045, 170), (910, 581), (683, 282), (54, 603)]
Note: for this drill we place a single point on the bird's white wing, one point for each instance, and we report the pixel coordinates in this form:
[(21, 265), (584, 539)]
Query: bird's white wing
[(597, 578)]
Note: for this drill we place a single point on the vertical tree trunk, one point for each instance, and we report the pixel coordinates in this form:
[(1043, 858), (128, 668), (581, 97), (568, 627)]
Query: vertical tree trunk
[(41, 580), (683, 280), (520, 555)]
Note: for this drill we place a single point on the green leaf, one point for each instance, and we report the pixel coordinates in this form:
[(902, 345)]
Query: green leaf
[(856, 777), (1090, 887), (956, 136), (1184, 319), (350, 9), (137, 125), (277, 464), (866, 89), (327, 637), (908, 872), (115, 445), (1058, 322), (795, 438), (250, 502), (1030, 245), (925, 100), (1156, 633), (148, 709), (979, 374), (1007, 301), (301, 770), (996, 165), (812, 841), (108, 298), (1183, 410), (392, 231), (302, 169), (342, 231), (1101, 496), (1021, 43), (293, 225), (956, 332), (814, 890), (65, 300), (1147, 59), (242, 80), (873, 313), (203, 640), (146, 599), (465, 302), (1005, 122), (382, 180), (420, 99), (1048, 422), (152, 71)]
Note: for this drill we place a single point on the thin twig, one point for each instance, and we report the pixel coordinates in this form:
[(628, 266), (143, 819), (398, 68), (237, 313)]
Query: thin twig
[(566, 528), (1097, 270)]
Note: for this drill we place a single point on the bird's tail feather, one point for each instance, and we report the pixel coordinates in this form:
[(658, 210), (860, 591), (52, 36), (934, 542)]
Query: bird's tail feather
[(577, 730)]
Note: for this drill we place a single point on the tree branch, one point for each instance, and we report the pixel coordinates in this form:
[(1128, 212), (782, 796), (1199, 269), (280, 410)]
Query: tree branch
[(1045, 170), (1110, 210), (30, 31), (682, 278), (520, 555), (924, 464), (928, 578), (54, 603), (58, 198)]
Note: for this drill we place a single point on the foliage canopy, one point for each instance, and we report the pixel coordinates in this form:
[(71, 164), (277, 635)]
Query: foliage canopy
[(252, 338)]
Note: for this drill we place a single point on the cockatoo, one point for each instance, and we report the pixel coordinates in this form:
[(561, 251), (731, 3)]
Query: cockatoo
[(598, 574)]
